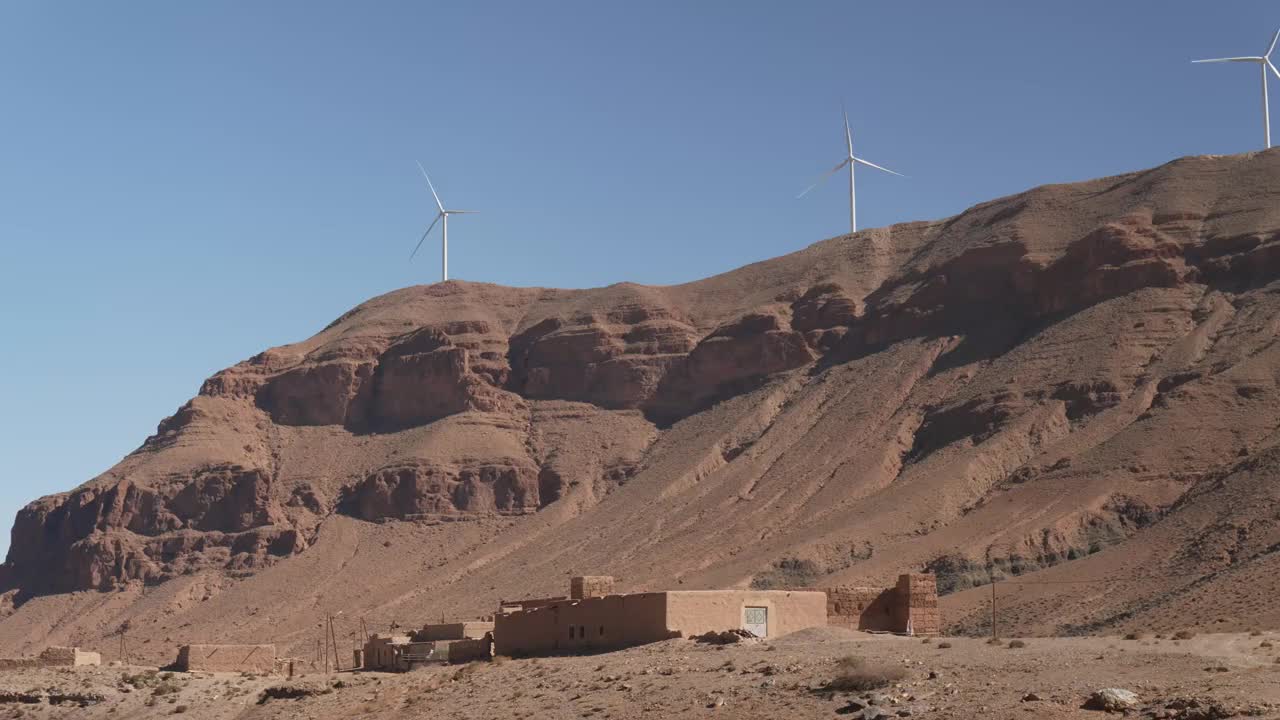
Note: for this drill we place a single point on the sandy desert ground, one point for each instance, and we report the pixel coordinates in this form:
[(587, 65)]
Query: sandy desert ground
[(1206, 676)]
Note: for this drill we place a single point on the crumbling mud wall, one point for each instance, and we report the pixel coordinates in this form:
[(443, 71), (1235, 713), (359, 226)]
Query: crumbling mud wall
[(910, 607), (227, 658), (589, 586), (54, 656), (465, 651), (471, 630)]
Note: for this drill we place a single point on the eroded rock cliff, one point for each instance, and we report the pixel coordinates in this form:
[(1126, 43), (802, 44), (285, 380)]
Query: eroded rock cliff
[(1025, 384)]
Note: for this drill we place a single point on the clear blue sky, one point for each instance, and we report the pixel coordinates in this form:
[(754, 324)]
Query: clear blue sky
[(184, 184)]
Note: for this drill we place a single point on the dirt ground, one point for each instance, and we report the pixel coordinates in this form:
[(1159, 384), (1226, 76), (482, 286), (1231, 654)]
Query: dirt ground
[(1207, 676)]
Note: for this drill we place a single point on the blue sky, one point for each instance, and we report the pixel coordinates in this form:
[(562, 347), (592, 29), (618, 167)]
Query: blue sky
[(185, 184)]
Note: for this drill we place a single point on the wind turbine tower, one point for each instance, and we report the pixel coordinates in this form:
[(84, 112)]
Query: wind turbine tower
[(850, 162), (443, 215), (1264, 64)]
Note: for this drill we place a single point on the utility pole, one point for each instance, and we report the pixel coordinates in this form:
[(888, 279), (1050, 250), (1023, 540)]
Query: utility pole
[(337, 662), (993, 609)]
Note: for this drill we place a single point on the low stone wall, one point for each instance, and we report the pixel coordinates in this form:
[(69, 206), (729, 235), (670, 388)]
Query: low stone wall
[(54, 657), (464, 651), (228, 658), (69, 657)]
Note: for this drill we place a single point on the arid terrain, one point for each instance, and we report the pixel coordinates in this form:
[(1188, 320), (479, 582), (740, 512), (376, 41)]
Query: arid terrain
[(1072, 391), (1207, 677)]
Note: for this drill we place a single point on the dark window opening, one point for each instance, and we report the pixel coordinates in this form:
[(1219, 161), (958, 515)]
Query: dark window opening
[(601, 631)]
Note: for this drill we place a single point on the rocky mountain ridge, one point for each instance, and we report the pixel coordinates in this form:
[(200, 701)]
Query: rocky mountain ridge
[(1012, 386)]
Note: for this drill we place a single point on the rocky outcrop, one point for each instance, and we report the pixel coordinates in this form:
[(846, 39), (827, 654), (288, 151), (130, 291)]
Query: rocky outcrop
[(421, 489), (110, 533), (615, 359)]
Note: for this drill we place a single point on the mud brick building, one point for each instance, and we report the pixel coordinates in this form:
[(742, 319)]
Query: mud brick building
[(592, 621)]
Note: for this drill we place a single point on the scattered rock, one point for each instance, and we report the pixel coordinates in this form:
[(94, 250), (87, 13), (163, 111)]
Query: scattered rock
[(1112, 700)]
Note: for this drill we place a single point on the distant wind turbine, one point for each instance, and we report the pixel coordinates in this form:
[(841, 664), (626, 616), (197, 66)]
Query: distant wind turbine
[(444, 229), (849, 162), (1264, 64)]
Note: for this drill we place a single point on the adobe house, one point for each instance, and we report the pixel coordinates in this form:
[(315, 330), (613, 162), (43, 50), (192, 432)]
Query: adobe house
[(443, 642), (227, 658), (910, 607), (594, 621)]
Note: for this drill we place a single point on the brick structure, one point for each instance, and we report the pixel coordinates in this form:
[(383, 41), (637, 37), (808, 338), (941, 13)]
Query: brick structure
[(472, 630), (464, 651), (54, 657), (910, 607), (616, 621), (590, 586), (918, 598), (69, 657), (227, 658)]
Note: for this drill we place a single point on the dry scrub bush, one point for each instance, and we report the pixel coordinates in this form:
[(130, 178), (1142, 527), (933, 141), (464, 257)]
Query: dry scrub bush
[(854, 674), (944, 645), (1183, 635), (1015, 644)]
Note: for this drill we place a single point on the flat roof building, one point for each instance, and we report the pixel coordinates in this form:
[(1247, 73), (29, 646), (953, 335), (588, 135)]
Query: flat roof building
[(605, 622)]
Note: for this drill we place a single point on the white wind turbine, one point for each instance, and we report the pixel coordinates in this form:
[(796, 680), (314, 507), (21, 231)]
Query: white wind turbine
[(444, 229), (849, 162), (1264, 64)]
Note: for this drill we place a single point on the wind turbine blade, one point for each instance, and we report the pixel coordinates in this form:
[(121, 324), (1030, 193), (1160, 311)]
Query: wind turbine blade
[(871, 164), (462, 212), (1273, 68), (848, 134), (433, 187), (424, 236), (1274, 38), (1230, 59), (824, 177)]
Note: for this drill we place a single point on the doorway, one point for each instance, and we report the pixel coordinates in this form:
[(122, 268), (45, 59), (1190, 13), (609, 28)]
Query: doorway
[(756, 621)]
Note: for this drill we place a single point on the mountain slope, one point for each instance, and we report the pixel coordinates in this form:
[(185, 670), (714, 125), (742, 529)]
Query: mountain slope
[(1043, 382)]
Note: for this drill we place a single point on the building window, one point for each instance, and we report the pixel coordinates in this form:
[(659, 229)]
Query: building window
[(570, 632), (601, 631)]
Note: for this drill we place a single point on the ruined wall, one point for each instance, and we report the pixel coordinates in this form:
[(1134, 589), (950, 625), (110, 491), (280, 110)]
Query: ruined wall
[(53, 657), (589, 586), (918, 600), (454, 631), (69, 657), (227, 658), (380, 651), (694, 612), (909, 607), (464, 651), (860, 608)]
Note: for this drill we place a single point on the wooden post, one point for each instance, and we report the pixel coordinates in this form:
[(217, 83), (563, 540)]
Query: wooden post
[(993, 609), (326, 647), (337, 661)]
